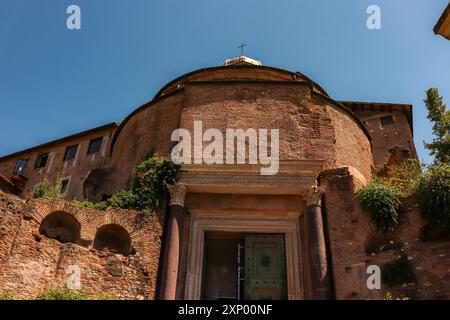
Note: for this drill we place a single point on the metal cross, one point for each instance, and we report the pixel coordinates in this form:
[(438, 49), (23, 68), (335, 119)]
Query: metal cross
[(242, 48)]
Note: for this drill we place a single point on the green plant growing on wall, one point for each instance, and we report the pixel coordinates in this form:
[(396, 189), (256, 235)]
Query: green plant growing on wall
[(7, 295), (49, 189), (398, 272), (389, 296), (64, 293), (153, 175), (382, 203), (124, 199), (433, 194), (87, 204)]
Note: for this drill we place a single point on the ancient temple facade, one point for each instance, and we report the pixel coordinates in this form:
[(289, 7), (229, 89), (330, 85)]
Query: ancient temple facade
[(231, 232)]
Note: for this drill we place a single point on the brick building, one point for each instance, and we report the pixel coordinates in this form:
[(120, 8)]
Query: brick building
[(230, 232), (72, 158), (442, 27)]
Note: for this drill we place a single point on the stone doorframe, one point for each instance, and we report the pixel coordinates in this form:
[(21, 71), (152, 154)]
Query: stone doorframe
[(288, 227)]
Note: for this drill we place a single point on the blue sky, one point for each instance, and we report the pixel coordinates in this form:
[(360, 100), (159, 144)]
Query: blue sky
[(55, 82)]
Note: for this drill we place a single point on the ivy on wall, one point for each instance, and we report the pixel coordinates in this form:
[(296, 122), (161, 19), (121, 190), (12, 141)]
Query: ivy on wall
[(382, 203), (153, 175)]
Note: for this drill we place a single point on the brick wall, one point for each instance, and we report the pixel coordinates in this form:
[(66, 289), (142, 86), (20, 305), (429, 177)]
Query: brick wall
[(30, 262), (349, 229)]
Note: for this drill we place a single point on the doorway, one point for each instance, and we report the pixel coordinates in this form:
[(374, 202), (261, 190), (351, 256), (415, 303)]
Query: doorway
[(240, 266)]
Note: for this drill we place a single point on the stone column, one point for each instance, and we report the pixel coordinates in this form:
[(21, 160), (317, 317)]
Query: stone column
[(172, 244), (317, 247)]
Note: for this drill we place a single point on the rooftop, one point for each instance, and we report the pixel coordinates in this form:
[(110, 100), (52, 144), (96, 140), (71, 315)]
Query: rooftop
[(111, 125), (443, 25), (242, 60)]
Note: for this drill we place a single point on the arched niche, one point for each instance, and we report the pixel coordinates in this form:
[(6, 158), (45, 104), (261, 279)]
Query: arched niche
[(61, 226), (114, 238)]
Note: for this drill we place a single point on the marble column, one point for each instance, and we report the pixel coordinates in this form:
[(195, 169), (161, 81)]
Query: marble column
[(317, 247), (173, 242)]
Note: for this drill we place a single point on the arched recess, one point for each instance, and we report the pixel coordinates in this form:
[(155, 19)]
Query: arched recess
[(61, 226), (42, 207), (113, 237)]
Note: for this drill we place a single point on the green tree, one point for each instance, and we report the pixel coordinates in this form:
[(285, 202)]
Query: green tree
[(440, 116)]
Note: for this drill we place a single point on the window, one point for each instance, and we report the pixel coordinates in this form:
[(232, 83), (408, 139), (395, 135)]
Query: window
[(387, 121), (95, 145), (64, 185), (41, 160), (70, 152), (21, 165)]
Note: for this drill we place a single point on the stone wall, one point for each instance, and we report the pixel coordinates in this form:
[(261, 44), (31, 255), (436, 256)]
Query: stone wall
[(349, 230), (352, 147), (311, 128), (148, 130), (30, 261)]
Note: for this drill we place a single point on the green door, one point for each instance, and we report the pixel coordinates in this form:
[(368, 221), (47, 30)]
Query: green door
[(265, 267)]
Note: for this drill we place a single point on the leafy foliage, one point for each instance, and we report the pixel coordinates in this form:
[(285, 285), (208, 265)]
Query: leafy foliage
[(440, 116), (87, 204), (382, 204), (64, 293), (124, 199), (398, 272), (389, 296), (404, 177), (7, 295), (49, 189), (433, 194), (153, 175)]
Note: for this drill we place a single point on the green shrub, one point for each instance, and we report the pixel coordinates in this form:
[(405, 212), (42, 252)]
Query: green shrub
[(87, 204), (433, 194), (49, 189), (389, 296), (382, 204), (64, 293), (124, 199), (398, 272), (153, 175), (7, 295)]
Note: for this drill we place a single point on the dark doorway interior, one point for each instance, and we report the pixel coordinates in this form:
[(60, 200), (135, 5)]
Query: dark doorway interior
[(223, 273), (244, 266)]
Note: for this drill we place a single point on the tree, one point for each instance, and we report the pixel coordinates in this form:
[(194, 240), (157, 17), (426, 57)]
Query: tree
[(440, 116)]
